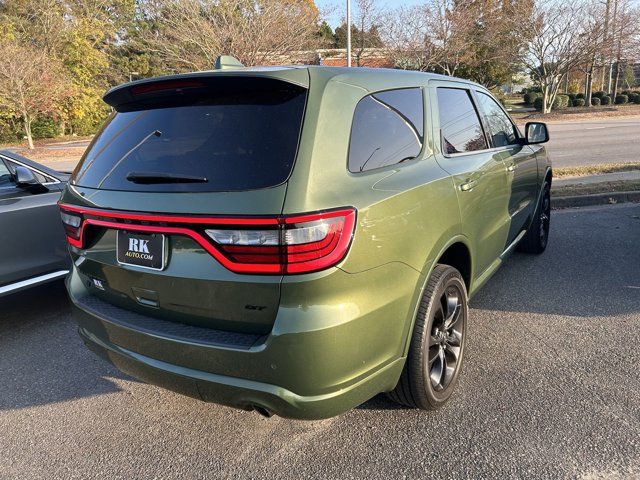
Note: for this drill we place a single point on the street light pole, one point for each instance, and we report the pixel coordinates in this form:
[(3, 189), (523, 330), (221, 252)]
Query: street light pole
[(348, 33)]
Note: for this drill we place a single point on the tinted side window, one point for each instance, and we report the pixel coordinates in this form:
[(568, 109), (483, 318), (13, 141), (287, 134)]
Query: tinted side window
[(459, 122), (6, 179), (387, 129), (502, 130), (41, 178)]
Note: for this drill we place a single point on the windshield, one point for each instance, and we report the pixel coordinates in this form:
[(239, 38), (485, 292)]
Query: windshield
[(240, 141)]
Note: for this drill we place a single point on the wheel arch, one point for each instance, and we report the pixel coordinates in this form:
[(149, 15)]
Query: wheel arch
[(457, 252)]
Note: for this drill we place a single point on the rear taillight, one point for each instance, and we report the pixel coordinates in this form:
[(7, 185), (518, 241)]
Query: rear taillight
[(71, 224), (252, 245), (298, 244)]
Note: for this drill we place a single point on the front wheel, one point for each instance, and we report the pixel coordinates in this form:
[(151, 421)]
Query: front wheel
[(537, 237), (437, 345)]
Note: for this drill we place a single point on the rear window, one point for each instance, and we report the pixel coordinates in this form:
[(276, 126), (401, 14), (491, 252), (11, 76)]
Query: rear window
[(204, 142)]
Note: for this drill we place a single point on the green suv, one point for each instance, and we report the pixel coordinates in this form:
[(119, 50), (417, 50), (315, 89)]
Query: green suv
[(296, 240)]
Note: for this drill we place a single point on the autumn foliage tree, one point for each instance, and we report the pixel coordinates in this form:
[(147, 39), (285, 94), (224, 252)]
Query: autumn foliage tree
[(31, 84), (477, 39)]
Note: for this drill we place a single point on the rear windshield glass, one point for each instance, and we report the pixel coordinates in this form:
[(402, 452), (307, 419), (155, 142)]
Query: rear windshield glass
[(203, 143)]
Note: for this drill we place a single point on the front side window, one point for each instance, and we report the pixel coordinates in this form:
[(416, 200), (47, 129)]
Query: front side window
[(459, 122), (41, 178), (6, 179), (387, 129), (503, 132)]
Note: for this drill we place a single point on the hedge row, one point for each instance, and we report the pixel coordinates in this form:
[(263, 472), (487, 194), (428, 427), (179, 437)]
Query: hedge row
[(578, 99)]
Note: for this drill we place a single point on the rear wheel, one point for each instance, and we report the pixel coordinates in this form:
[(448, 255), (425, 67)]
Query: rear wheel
[(537, 237), (437, 345)]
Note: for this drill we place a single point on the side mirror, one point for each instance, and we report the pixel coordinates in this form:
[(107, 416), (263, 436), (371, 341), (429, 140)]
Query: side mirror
[(536, 132), (25, 178)]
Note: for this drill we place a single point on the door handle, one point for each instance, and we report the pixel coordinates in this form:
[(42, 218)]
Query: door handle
[(511, 168), (468, 186)]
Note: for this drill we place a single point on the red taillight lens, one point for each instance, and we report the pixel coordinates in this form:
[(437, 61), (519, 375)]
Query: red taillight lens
[(299, 244), (252, 245)]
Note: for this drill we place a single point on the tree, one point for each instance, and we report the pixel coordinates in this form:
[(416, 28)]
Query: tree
[(31, 84), (626, 39), (478, 39), (190, 34), (595, 27), (326, 35), (557, 44), (491, 33), (431, 36), (81, 36), (365, 35)]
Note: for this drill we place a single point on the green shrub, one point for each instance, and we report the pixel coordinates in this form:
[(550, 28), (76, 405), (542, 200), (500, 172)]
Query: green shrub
[(9, 131), (561, 101), (621, 99), (45, 128), (636, 100), (580, 95), (632, 97), (606, 100), (530, 97), (537, 103), (595, 101), (578, 102), (598, 94), (572, 96)]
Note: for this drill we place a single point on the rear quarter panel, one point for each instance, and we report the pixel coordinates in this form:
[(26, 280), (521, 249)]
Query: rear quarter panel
[(407, 214)]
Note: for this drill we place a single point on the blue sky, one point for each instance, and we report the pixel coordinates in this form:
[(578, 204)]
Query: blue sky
[(338, 9)]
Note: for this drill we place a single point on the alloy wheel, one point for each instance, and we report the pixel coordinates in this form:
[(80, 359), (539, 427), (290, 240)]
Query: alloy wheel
[(545, 216), (445, 340)]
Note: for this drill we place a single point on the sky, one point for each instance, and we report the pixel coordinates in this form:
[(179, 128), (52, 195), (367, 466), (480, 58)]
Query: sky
[(337, 10)]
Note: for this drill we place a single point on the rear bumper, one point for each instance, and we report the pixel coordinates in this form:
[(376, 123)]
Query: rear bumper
[(338, 340), (238, 392)]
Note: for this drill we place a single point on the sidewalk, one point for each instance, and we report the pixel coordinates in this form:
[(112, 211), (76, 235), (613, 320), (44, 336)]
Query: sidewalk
[(593, 179), (603, 189)]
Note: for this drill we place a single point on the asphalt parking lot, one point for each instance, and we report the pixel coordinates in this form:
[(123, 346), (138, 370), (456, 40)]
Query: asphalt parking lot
[(551, 389)]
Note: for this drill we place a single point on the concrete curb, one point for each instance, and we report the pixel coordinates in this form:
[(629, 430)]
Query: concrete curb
[(595, 199)]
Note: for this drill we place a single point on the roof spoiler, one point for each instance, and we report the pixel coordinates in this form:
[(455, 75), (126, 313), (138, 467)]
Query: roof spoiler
[(150, 92)]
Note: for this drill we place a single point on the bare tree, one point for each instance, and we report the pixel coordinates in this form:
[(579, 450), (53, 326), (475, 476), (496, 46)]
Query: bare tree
[(558, 43), (366, 19), (32, 83), (625, 39), (190, 34), (430, 35), (594, 31), (406, 39)]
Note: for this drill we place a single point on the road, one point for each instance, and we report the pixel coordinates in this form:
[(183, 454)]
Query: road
[(593, 142), (550, 389)]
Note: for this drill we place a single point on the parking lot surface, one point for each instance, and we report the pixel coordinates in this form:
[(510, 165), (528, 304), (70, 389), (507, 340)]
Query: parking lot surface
[(550, 389)]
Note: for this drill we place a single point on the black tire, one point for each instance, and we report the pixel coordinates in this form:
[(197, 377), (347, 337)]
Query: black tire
[(433, 344), (537, 237)]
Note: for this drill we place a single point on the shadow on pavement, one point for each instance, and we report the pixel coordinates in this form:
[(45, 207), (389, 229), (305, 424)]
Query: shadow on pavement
[(591, 268), (42, 359)]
